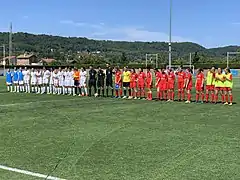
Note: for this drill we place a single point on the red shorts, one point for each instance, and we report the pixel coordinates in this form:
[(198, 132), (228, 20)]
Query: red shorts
[(149, 85), (133, 85), (210, 87), (189, 88), (219, 88), (180, 85), (199, 88), (163, 87), (141, 85), (170, 85), (227, 89)]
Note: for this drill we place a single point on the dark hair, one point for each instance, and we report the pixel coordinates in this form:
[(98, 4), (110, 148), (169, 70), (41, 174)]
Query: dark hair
[(134, 70), (228, 70), (84, 68), (141, 70)]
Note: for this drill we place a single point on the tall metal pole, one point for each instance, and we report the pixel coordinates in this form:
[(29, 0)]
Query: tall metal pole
[(4, 60), (170, 38), (10, 44), (228, 59), (190, 60)]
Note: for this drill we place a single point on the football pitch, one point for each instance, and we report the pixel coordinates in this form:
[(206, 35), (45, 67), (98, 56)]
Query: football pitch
[(81, 138)]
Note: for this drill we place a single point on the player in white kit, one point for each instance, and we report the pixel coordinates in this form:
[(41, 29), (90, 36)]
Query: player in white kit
[(46, 78), (61, 81), (55, 81), (26, 79), (72, 82), (83, 81), (65, 82), (39, 81), (33, 80), (51, 82)]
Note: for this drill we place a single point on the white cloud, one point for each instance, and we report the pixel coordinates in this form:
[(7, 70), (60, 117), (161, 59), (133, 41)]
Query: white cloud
[(122, 33), (134, 34)]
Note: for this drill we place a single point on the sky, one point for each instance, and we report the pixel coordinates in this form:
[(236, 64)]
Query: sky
[(211, 23)]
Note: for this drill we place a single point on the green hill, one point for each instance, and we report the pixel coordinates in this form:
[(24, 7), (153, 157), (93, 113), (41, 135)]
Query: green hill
[(63, 48)]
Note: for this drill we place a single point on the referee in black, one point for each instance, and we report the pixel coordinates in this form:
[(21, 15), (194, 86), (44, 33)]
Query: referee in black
[(109, 79), (100, 81), (92, 80)]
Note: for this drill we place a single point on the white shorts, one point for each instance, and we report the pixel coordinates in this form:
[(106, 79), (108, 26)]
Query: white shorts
[(15, 82), (82, 82), (72, 83), (45, 81), (61, 83), (20, 82), (39, 81), (26, 81), (33, 82), (55, 82), (8, 83), (66, 83)]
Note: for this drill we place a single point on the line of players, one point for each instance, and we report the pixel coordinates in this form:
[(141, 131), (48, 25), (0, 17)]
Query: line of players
[(74, 82)]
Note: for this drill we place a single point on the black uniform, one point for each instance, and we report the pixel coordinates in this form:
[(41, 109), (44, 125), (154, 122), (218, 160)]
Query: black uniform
[(100, 81), (109, 77), (92, 81)]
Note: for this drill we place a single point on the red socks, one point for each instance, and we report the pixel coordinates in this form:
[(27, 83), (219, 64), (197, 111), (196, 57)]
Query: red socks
[(189, 96), (197, 97), (207, 97), (231, 98)]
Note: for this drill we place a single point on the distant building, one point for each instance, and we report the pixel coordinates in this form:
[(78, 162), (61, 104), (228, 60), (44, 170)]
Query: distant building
[(47, 60), (13, 60), (27, 59)]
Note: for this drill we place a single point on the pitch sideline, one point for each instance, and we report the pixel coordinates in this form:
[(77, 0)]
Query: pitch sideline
[(30, 173)]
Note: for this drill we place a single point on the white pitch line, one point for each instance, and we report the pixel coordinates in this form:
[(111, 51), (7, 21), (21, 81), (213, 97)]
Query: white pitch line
[(29, 173), (31, 102)]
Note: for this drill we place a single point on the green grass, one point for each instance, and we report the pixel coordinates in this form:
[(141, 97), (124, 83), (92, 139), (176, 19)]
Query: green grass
[(108, 138)]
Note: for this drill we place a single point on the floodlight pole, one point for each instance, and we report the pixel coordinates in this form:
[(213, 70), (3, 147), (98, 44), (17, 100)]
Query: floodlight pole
[(146, 59), (170, 38), (190, 60), (4, 60)]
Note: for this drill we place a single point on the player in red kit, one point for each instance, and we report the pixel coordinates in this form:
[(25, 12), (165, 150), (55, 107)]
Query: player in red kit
[(188, 84), (141, 84), (171, 84), (133, 83), (149, 84), (118, 82), (181, 81), (164, 84), (158, 75), (199, 85)]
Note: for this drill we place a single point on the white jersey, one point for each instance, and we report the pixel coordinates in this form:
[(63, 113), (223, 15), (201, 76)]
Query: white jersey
[(83, 77), (61, 78), (46, 76), (71, 75), (51, 78), (33, 78), (55, 79), (26, 75), (39, 77)]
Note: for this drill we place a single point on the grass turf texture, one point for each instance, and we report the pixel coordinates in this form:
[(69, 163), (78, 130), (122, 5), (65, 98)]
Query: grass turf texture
[(107, 138)]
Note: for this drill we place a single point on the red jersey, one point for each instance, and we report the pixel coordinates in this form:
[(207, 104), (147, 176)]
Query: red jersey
[(171, 77), (199, 79), (133, 77), (181, 76), (118, 77), (149, 77), (158, 76), (141, 77), (164, 78), (188, 78)]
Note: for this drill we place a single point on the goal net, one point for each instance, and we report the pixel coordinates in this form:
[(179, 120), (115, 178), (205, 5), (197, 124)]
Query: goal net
[(232, 58)]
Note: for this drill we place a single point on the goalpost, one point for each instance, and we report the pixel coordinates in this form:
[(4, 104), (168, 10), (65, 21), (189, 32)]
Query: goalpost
[(152, 58)]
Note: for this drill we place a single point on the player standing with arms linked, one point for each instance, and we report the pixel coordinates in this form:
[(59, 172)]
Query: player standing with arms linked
[(9, 76), (83, 83), (188, 84), (21, 80), (219, 85), (92, 81), (26, 77), (133, 84), (15, 80), (109, 80), (118, 82), (199, 85), (100, 82), (141, 84), (171, 84), (228, 86), (181, 78), (210, 80), (126, 82), (149, 80)]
